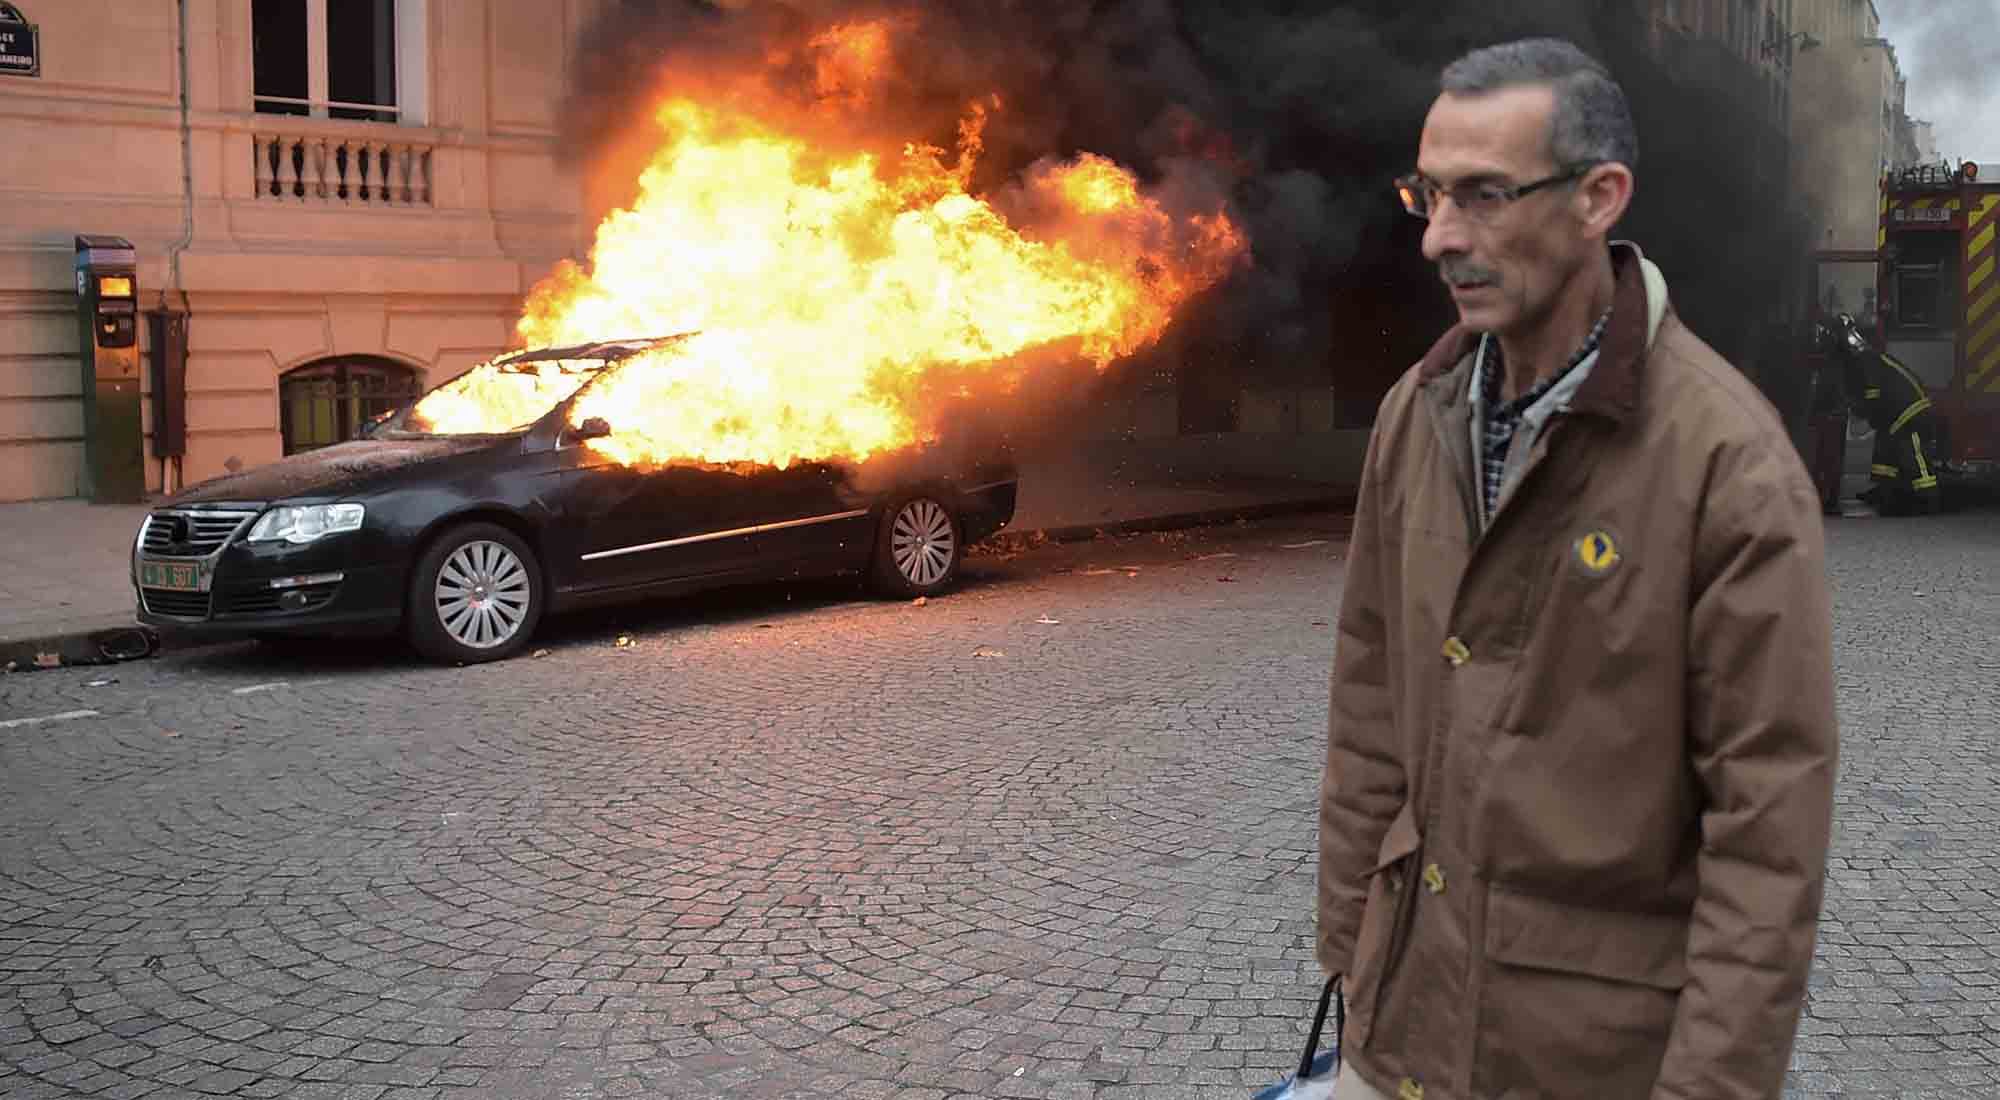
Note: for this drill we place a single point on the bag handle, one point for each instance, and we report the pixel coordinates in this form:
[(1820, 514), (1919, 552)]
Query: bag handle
[(1333, 995)]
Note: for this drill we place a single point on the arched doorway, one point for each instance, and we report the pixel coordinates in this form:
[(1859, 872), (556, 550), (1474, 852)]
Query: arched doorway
[(328, 400)]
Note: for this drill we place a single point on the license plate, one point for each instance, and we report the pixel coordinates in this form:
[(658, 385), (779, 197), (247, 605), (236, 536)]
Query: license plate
[(173, 576)]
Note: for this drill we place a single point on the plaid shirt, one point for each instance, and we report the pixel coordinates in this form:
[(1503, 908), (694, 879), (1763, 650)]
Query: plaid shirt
[(1503, 418)]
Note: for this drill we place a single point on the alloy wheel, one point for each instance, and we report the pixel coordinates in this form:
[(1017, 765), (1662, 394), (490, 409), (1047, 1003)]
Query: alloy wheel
[(922, 542), (482, 594)]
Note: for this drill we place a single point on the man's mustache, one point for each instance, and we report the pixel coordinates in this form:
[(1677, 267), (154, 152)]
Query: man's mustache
[(1461, 272)]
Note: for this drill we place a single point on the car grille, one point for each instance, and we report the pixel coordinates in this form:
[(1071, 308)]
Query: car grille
[(180, 605), (207, 532), (264, 602)]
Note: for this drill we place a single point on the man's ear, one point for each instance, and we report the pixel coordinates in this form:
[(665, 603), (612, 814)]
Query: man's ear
[(1603, 196)]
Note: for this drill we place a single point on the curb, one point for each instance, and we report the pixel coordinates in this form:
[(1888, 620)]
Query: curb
[(1212, 517), (103, 645), (134, 641)]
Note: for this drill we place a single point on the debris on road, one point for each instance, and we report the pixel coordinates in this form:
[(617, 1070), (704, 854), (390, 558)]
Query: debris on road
[(987, 651), (1046, 621), (920, 601), (1212, 557), (100, 683), (1009, 544), (541, 653), (1226, 579), (624, 642), (1305, 544)]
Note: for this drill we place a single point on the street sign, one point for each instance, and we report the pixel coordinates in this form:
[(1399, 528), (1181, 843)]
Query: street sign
[(20, 44)]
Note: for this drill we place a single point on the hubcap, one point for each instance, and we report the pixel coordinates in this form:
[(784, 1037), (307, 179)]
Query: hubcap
[(482, 594), (921, 542)]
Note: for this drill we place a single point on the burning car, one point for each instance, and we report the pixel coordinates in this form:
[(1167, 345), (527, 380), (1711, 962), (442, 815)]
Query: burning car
[(463, 518)]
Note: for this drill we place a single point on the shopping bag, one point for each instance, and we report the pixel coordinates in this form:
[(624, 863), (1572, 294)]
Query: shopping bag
[(1317, 1068)]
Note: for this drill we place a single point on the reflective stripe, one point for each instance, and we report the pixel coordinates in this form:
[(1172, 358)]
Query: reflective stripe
[(1923, 468), (1982, 304), (1985, 368), (1895, 364), (1871, 393), (1980, 272), (1880, 470), (713, 535), (1909, 414), (1984, 337)]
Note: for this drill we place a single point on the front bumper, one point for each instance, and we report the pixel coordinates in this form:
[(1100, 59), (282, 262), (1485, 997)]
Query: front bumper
[(279, 589)]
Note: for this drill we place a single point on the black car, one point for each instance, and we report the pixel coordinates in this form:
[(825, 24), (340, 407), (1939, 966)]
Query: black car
[(463, 541)]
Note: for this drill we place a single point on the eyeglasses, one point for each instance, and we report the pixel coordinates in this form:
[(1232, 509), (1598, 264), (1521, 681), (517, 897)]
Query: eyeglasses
[(1478, 201)]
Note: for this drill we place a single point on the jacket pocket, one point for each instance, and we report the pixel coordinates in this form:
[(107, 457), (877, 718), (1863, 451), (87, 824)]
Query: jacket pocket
[(1383, 921), (1579, 1002), (1641, 948)]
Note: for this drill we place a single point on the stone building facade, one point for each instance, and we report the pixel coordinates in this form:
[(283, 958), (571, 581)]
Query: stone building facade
[(345, 198), (1852, 126)]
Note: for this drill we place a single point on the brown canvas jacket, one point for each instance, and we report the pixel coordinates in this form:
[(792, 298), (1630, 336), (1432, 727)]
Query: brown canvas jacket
[(1579, 779)]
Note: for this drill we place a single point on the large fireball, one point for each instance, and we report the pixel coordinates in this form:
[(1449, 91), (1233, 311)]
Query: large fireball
[(825, 285)]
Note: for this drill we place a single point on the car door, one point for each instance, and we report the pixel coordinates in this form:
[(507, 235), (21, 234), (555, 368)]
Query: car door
[(811, 518), (628, 526)]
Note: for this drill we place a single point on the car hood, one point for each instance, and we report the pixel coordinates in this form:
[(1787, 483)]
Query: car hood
[(340, 468)]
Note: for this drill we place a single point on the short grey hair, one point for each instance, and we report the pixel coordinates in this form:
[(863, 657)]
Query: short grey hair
[(1592, 122)]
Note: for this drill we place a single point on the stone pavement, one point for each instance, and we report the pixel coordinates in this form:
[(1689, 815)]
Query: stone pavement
[(1048, 837), (64, 564)]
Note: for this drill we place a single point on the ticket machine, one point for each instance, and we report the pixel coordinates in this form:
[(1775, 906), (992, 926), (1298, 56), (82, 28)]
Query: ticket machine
[(107, 292)]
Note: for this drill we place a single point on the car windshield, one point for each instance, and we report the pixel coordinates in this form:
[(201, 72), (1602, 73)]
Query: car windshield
[(498, 397)]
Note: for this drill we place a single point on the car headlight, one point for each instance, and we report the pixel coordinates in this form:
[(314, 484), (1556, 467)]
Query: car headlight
[(299, 524)]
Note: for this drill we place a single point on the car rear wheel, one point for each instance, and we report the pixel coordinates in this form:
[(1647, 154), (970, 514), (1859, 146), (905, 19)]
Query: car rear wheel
[(476, 595), (918, 549)]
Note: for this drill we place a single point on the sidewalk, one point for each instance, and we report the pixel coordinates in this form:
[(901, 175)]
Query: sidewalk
[(65, 576), (65, 583)]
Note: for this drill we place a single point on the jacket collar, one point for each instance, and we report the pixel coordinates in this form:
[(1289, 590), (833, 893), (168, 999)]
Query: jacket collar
[(1638, 305)]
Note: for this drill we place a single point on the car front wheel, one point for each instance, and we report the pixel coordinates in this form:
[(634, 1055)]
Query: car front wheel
[(476, 595), (919, 547)]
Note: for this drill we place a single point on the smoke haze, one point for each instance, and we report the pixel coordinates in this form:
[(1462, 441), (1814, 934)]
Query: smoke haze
[(1300, 113), (1951, 72)]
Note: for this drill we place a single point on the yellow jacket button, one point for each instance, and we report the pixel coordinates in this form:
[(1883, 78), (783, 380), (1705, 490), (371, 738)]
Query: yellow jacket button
[(1434, 878), (1409, 1090), (1455, 651)]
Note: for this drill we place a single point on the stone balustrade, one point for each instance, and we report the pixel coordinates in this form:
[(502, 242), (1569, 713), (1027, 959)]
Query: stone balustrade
[(342, 171)]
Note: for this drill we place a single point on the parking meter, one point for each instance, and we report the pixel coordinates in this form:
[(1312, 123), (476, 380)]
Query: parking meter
[(107, 291)]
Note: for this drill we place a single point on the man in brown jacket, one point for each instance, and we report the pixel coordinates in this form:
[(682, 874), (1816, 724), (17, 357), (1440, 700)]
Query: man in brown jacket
[(1579, 779)]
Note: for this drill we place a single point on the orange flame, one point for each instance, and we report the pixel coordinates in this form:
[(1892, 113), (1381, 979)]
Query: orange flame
[(826, 288)]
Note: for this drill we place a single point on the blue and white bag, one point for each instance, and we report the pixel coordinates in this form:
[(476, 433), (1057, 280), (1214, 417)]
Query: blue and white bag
[(1317, 1068)]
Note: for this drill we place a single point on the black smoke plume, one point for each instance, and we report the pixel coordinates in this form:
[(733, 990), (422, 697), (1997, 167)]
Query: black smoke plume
[(1304, 112)]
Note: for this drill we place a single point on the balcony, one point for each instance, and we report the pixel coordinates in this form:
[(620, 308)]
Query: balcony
[(354, 166)]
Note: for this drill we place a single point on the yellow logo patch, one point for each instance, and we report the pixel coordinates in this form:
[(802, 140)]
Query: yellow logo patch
[(1597, 552)]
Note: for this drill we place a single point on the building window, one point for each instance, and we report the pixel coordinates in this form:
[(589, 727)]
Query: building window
[(330, 401), (348, 59)]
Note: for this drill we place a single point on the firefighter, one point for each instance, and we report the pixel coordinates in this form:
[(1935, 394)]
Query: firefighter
[(1908, 432)]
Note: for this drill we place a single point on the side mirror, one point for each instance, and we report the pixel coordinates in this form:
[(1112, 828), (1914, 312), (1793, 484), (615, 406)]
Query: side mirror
[(595, 427)]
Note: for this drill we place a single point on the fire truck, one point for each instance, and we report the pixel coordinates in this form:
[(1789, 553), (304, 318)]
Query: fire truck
[(1929, 295)]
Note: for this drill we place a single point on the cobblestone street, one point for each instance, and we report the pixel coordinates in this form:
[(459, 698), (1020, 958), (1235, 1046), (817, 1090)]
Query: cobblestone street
[(1050, 836)]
